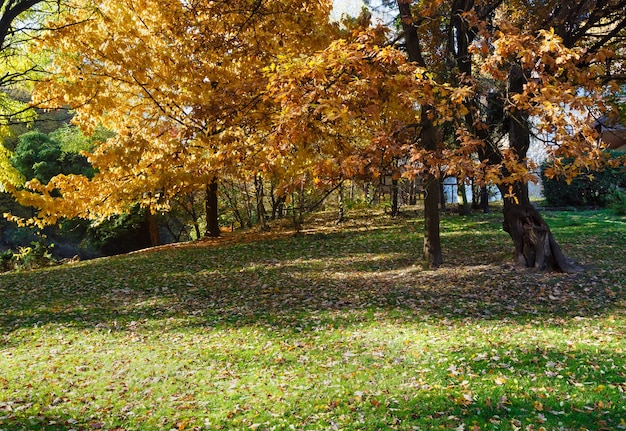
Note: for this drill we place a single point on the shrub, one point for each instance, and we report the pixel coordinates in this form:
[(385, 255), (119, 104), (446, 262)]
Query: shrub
[(617, 202), (38, 255), (120, 233), (592, 188), (7, 261)]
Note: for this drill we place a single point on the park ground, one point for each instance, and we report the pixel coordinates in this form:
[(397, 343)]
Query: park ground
[(337, 328)]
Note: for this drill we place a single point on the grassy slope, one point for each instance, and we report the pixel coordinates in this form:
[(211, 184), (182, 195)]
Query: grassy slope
[(338, 329)]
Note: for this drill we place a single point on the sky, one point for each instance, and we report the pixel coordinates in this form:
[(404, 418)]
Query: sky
[(351, 7)]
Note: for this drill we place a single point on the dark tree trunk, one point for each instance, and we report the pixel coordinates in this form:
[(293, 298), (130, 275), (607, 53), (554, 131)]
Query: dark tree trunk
[(212, 222), (428, 139), (412, 192), (153, 229), (277, 203), (535, 246), (395, 209), (484, 199), (260, 207), (233, 203), (248, 206), (278, 207), (432, 239), (464, 206), (10, 13), (341, 205), (442, 196)]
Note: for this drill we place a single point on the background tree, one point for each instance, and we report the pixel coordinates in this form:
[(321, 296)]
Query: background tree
[(39, 156), (181, 85), (20, 22)]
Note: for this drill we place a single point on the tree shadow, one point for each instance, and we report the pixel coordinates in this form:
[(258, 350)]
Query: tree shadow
[(26, 420), (284, 281)]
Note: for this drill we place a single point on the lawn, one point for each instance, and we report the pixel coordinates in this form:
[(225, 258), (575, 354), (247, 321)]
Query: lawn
[(333, 329)]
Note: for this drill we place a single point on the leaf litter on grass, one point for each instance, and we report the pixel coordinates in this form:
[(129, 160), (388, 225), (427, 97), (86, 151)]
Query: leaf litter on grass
[(341, 329)]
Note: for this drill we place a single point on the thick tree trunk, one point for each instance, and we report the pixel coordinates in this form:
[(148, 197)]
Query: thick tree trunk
[(212, 222), (535, 246), (153, 229), (432, 240)]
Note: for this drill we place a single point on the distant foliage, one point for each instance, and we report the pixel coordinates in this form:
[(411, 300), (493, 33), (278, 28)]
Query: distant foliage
[(594, 188), (120, 233), (38, 156), (617, 202)]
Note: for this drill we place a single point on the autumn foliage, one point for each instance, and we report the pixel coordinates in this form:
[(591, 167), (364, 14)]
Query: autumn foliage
[(181, 86)]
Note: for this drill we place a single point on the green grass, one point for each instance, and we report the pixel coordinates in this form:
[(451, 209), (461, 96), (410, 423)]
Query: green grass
[(333, 329)]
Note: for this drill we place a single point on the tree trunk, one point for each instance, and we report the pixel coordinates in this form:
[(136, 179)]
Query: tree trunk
[(464, 207), (153, 229), (412, 192), (442, 196), (535, 246), (340, 204), (278, 207), (428, 139), (248, 205), (212, 222), (432, 240), (260, 207), (231, 197), (395, 209), (484, 199)]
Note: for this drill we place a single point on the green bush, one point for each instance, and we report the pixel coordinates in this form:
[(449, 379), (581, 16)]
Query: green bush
[(592, 188), (617, 202), (7, 261), (120, 233), (38, 255)]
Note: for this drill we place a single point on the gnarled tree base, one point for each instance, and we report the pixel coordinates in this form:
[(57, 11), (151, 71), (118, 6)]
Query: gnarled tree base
[(535, 246)]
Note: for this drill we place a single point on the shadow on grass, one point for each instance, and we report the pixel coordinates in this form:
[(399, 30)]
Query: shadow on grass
[(283, 281), (42, 421)]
